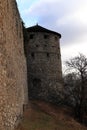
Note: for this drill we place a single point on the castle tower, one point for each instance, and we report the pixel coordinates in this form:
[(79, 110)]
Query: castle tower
[(43, 62)]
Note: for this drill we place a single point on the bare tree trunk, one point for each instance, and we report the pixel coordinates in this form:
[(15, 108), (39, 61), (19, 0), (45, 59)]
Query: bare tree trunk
[(82, 98)]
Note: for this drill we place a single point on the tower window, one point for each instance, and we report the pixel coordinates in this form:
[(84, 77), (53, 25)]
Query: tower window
[(33, 55), (37, 45), (48, 55), (46, 36), (45, 45), (31, 36), (36, 82), (53, 46), (56, 38)]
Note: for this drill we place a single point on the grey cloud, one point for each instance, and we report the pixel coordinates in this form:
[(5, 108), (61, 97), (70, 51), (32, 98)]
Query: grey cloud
[(48, 13)]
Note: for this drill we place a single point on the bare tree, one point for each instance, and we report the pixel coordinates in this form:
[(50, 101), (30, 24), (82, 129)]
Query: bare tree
[(78, 65), (71, 89)]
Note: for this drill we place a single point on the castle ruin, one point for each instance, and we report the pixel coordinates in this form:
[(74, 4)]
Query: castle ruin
[(43, 63)]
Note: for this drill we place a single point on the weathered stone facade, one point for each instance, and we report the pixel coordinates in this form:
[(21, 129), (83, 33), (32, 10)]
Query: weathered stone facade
[(13, 79), (44, 63)]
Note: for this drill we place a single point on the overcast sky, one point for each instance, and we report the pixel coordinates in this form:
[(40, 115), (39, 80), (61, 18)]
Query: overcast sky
[(68, 17)]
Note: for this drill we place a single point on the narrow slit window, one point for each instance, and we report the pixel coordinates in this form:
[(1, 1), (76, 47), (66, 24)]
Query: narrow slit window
[(31, 36), (33, 55), (46, 36), (56, 38), (53, 46), (37, 45), (48, 55), (45, 45)]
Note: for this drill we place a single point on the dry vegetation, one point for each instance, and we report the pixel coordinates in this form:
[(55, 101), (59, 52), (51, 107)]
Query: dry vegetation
[(44, 116)]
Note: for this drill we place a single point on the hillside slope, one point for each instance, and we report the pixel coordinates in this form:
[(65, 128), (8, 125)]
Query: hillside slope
[(45, 116)]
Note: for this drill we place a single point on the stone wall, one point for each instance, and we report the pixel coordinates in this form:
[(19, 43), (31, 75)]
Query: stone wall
[(13, 81), (44, 65)]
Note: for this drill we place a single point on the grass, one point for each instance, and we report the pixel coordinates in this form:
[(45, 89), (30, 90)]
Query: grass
[(35, 118)]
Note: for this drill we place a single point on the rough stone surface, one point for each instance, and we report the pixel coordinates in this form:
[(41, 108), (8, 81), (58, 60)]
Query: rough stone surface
[(13, 81), (44, 64)]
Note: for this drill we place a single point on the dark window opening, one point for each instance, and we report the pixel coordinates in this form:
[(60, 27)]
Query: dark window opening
[(48, 55), (53, 46), (37, 45), (33, 55), (36, 82), (45, 45), (56, 38), (31, 36), (46, 36)]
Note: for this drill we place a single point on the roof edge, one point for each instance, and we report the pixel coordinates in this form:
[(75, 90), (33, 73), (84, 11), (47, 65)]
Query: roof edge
[(38, 28)]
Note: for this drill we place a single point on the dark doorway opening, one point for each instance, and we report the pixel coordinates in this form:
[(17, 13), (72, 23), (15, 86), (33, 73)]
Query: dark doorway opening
[(36, 88), (36, 82)]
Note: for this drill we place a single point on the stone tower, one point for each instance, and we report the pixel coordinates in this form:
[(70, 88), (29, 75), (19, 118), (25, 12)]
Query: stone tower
[(43, 62)]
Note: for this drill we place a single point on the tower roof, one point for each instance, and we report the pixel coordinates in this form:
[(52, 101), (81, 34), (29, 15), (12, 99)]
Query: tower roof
[(38, 28)]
